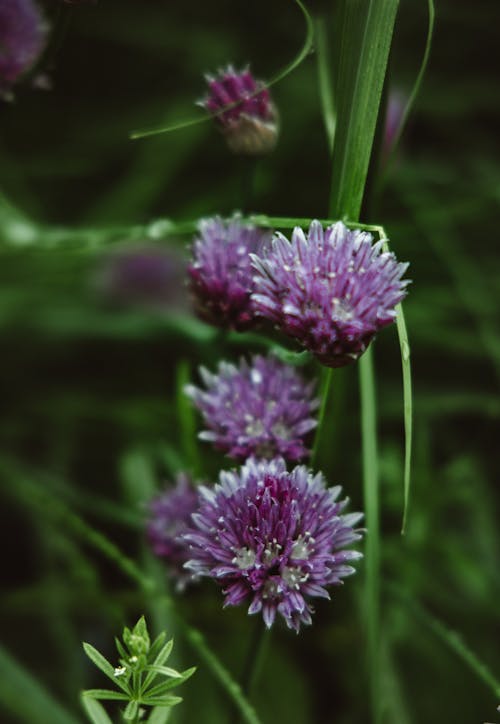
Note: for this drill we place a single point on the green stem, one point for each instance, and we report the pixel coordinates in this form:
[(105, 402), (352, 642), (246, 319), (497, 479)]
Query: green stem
[(367, 26), (254, 662), (372, 514), (324, 394), (255, 658), (452, 639)]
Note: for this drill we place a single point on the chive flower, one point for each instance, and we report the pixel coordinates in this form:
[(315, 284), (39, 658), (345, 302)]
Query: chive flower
[(331, 290), (263, 409), (169, 516), (242, 110), (275, 538), (143, 275), (220, 272), (22, 39)]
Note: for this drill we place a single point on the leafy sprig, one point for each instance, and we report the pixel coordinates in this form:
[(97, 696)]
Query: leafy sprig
[(140, 664)]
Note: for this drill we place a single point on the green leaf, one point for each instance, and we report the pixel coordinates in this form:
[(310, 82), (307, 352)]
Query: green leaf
[(372, 514), (407, 407), (131, 710), (104, 665), (162, 688), (23, 696), (160, 715), (165, 670), (161, 657), (156, 646), (167, 701), (364, 51), (94, 711), (121, 649), (105, 694)]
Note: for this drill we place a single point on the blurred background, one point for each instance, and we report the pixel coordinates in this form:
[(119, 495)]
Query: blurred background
[(97, 339)]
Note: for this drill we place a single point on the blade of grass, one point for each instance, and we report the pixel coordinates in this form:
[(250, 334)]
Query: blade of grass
[(372, 515), (24, 697), (364, 48), (198, 642), (364, 53), (95, 711), (452, 639), (325, 82), (404, 347), (187, 420)]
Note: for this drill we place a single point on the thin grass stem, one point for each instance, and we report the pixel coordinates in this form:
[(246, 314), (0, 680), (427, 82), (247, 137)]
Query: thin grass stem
[(324, 395), (372, 515)]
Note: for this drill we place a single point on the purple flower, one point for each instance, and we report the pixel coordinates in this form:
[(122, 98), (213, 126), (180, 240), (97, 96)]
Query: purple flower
[(169, 517), (262, 409), (22, 38), (221, 274), (332, 290), (147, 275), (396, 105), (274, 537), (243, 110)]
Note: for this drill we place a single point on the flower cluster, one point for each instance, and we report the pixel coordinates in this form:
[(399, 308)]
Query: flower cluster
[(332, 290), (169, 517), (275, 537), (243, 110), (144, 275), (220, 273), (262, 409), (22, 38)]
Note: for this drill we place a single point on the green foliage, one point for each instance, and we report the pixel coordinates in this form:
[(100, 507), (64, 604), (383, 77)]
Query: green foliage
[(140, 664)]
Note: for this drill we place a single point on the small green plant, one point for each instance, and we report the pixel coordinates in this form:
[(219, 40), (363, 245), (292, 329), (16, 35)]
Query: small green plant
[(140, 663)]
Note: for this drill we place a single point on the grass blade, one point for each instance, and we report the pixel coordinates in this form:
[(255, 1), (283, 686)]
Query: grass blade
[(364, 53), (95, 712), (452, 639), (24, 697), (247, 712), (408, 409), (372, 516), (160, 715), (325, 82)]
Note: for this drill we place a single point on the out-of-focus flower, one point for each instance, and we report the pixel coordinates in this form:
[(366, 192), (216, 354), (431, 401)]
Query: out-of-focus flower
[(274, 537), (243, 111), (332, 290), (393, 117), (22, 39), (143, 275), (221, 274), (169, 517), (262, 409)]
